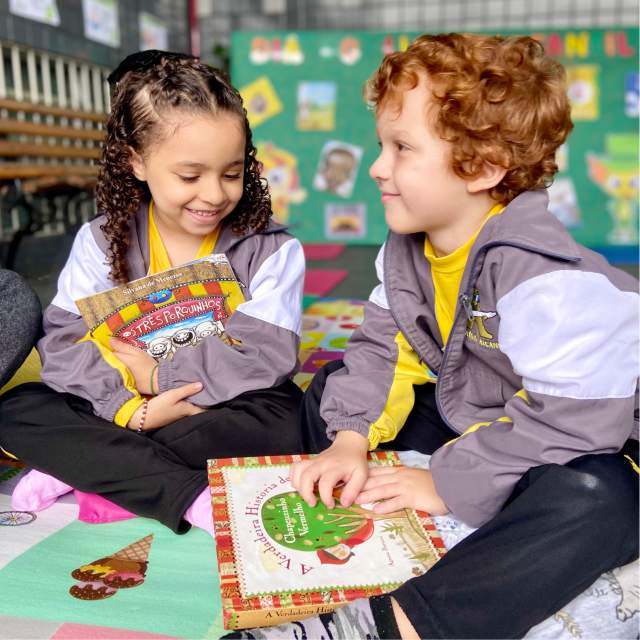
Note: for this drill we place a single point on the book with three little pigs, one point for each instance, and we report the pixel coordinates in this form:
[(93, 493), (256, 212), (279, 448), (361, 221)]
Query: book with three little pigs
[(280, 559), (166, 311)]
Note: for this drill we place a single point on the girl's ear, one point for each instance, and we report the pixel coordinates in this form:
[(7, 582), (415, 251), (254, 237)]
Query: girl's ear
[(489, 177), (137, 165)]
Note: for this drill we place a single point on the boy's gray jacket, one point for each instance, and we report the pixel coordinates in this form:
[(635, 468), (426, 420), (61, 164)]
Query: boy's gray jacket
[(540, 367), (267, 326)]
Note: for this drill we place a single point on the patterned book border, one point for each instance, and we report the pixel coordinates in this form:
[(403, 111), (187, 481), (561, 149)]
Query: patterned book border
[(240, 611)]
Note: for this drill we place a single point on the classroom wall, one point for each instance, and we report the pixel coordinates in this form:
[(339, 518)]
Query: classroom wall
[(315, 136)]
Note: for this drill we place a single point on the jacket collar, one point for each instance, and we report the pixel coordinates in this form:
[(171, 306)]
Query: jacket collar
[(526, 222)]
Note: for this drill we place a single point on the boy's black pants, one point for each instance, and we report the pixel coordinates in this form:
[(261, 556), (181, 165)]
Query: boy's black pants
[(156, 474), (561, 528)]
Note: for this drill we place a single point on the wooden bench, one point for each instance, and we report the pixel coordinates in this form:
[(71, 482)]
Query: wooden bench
[(46, 152)]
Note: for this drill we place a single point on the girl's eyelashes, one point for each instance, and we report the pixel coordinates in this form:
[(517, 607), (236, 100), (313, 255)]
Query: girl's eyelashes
[(233, 176), (188, 178)]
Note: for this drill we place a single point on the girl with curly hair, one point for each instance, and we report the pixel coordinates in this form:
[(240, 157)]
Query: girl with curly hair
[(178, 180)]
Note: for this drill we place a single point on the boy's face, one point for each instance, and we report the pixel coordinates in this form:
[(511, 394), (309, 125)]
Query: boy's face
[(420, 191)]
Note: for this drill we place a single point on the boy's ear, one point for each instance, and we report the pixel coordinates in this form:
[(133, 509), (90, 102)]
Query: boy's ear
[(489, 176), (137, 165)]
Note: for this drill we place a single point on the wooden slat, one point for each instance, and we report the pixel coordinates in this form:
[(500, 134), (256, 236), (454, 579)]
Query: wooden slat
[(32, 107), (18, 149), (30, 128), (15, 170)]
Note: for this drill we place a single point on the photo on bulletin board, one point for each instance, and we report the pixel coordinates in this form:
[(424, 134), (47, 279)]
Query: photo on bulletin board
[(563, 202), (316, 106), (338, 168), (345, 221)]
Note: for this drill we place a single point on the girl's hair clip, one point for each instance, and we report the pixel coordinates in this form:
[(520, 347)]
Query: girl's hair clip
[(143, 60)]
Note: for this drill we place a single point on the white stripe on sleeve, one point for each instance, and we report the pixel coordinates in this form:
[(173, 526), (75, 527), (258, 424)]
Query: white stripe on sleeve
[(276, 288), (571, 334)]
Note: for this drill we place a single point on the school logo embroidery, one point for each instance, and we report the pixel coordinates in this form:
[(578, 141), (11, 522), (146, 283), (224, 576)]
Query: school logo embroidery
[(476, 329)]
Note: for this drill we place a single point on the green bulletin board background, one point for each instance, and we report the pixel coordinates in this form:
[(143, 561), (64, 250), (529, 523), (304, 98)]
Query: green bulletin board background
[(269, 69)]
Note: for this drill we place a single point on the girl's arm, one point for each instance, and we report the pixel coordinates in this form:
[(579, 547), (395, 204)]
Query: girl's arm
[(265, 331), (71, 362)]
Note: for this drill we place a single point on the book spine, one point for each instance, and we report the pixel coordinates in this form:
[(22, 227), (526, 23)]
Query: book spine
[(269, 617)]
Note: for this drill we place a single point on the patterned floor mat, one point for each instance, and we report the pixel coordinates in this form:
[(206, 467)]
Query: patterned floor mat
[(173, 580)]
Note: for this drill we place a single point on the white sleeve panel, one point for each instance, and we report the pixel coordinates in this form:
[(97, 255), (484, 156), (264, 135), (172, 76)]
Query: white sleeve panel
[(571, 334), (85, 273), (276, 288), (378, 296)]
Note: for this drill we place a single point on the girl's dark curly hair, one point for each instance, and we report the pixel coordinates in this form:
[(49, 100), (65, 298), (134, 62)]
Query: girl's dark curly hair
[(140, 100)]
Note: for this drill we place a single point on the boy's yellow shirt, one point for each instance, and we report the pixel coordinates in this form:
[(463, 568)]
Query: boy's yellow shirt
[(409, 371), (446, 272)]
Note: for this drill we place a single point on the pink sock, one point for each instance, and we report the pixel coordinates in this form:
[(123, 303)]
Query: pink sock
[(37, 491), (97, 510), (199, 513)]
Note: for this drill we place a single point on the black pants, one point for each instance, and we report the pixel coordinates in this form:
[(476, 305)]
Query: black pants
[(156, 474), (560, 529)]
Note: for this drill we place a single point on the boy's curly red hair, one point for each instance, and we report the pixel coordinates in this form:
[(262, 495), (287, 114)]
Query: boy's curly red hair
[(499, 100)]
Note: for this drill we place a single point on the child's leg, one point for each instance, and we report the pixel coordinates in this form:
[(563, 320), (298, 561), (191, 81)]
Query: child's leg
[(561, 529), (20, 320), (259, 422), (58, 434)]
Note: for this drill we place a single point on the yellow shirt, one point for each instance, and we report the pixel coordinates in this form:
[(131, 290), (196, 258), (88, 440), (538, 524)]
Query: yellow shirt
[(446, 272), (158, 256), (409, 370)]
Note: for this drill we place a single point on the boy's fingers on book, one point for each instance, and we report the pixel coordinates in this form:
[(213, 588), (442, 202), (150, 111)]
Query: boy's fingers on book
[(295, 471), (388, 506), (325, 488), (381, 492), (384, 471), (353, 487), (306, 483)]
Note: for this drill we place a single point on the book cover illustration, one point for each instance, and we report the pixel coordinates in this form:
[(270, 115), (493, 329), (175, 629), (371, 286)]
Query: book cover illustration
[(280, 559), (166, 311)]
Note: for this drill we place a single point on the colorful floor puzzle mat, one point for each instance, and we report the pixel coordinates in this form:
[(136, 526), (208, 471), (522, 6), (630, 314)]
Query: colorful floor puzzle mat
[(61, 579)]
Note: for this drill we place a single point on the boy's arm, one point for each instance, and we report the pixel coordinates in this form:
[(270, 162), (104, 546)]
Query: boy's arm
[(579, 368), (71, 362), (373, 394), (265, 331)]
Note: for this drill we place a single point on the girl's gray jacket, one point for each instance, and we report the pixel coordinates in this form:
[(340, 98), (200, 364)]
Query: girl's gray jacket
[(267, 326), (541, 364)]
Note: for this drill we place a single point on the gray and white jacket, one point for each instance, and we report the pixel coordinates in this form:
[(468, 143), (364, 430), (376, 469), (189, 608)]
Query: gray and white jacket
[(267, 326), (540, 367)]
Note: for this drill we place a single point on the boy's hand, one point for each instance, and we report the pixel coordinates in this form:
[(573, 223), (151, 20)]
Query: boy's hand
[(138, 362), (167, 407), (395, 488), (344, 461)]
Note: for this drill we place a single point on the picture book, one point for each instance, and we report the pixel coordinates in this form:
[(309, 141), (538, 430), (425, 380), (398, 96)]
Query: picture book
[(280, 559), (163, 312)]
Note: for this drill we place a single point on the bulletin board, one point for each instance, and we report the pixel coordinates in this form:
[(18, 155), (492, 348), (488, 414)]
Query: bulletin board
[(316, 139)]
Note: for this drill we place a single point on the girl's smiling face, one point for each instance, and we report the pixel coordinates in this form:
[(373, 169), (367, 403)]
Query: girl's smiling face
[(195, 171)]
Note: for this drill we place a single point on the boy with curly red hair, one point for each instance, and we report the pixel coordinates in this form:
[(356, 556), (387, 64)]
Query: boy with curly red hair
[(531, 341)]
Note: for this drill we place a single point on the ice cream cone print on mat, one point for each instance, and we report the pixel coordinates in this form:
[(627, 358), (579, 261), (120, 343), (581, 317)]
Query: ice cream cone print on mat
[(123, 569)]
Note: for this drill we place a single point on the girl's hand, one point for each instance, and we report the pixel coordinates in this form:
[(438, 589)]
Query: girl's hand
[(344, 461), (167, 407), (395, 488), (138, 362)]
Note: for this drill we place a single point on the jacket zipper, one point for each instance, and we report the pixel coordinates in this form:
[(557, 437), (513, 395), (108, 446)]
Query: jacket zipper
[(465, 303)]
